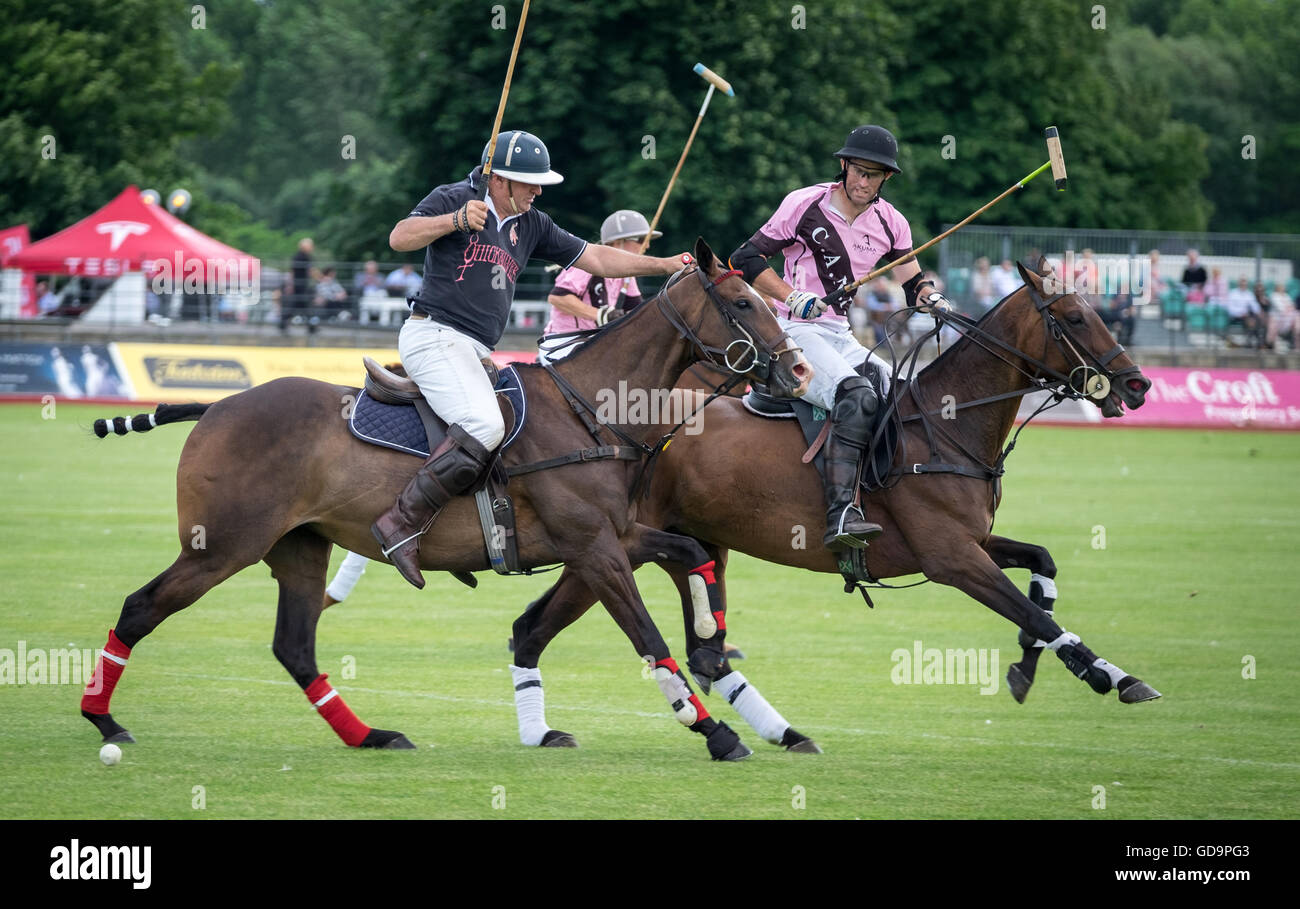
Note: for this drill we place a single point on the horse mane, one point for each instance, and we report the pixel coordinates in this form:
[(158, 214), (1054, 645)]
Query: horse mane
[(963, 340)]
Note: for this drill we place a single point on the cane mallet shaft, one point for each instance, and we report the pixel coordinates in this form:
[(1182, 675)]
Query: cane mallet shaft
[(715, 81), (1055, 161), (501, 106)]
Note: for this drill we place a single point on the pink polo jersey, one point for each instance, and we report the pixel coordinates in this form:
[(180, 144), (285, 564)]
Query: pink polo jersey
[(822, 250), (591, 290)]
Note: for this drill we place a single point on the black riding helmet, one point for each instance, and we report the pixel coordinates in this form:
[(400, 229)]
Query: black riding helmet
[(870, 143)]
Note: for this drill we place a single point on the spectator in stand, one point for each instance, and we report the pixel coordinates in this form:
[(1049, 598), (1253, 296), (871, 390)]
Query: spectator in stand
[(1244, 310), (369, 281), (1216, 289), (297, 293), (1194, 278), (403, 282), (981, 285), (330, 299), (46, 300), (1118, 316), (1005, 279), (1282, 317), (1154, 286), (1087, 279)]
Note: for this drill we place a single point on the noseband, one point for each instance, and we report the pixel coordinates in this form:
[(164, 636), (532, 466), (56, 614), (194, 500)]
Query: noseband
[(744, 354)]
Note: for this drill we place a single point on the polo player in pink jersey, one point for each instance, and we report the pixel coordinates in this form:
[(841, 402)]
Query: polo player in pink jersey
[(582, 301), (829, 235)]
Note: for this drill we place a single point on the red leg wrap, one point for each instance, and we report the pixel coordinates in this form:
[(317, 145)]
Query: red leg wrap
[(705, 571), (721, 618), (701, 713), (337, 713), (669, 663), (99, 690)]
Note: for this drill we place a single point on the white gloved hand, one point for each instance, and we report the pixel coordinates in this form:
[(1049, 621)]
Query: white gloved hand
[(936, 300), (606, 314), (805, 305)]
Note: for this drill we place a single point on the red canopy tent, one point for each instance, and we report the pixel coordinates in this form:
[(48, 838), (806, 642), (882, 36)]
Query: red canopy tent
[(127, 234)]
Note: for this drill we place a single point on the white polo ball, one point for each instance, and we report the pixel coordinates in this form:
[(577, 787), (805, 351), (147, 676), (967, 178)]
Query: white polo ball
[(110, 755)]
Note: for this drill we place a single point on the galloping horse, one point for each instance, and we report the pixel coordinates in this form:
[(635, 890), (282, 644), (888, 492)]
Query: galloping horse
[(274, 475), (739, 484)]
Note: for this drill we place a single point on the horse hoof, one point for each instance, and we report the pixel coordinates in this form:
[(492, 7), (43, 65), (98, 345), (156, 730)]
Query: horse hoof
[(1134, 691), (739, 753), (733, 652), (725, 745), (388, 740), (1018, 683), (554, 738), (112, 732), (805, 746)]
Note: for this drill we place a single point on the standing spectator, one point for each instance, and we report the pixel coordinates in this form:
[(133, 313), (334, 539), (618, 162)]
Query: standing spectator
[(981, 285), (1282, 317), (1194, 278), (297, 294), (1005, 279)]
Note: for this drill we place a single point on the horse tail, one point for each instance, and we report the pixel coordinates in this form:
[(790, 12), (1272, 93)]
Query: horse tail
[(143, 422)]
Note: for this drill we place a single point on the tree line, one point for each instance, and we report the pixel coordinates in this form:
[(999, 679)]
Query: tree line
[(333, 117)]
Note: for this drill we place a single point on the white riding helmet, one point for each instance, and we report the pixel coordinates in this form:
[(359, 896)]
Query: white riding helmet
[(626, 224)]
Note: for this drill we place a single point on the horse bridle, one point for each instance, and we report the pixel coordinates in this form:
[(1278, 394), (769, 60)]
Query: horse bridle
[(1091, 378), (753, 356)]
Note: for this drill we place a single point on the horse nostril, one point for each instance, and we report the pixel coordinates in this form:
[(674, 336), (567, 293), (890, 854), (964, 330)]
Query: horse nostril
[(1139, 386)]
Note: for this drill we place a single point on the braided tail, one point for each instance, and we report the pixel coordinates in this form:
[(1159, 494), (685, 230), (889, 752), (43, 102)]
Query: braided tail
[(143, 422)]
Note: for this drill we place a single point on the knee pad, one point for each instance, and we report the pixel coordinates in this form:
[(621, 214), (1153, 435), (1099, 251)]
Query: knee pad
[(855, 410)]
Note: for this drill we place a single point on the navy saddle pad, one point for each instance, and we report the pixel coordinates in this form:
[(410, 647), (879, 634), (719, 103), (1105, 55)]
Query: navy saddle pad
[(399, 427)]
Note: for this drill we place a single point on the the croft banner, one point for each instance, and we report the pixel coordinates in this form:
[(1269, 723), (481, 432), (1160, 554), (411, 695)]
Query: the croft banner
[(1202, 397)]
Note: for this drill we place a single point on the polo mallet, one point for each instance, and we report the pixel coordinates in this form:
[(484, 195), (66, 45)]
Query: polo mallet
[(715, 81), (501, 107), (1054, 160)]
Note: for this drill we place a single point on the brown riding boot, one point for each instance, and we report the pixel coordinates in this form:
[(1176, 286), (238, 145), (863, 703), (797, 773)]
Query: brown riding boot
[(845, 524), (451, 469)]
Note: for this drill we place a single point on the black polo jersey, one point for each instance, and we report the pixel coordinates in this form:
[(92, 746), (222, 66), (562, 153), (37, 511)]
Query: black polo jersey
[(469, 277)]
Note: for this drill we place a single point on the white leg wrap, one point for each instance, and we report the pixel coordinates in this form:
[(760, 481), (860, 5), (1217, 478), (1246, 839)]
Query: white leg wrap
[(530, 705), (1110, 669), (678, 695), (1048, 585), (353, 567), (752, 707), (705, 625), (1066, 637)]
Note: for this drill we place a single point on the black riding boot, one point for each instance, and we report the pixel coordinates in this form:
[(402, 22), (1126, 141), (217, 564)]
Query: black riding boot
[(845, 524), (851, 423), (450, 470)]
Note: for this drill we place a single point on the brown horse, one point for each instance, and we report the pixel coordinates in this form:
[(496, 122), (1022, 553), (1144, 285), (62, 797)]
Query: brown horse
[(272, 474), (937, 513)]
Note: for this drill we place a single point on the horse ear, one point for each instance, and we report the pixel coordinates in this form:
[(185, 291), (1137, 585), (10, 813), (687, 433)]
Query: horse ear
[(704, 256), (1030, 277)]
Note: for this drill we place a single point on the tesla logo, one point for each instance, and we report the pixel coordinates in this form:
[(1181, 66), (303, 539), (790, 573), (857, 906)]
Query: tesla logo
[(119, 231)]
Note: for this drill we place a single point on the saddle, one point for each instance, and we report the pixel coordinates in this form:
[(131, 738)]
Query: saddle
[(391, 412)]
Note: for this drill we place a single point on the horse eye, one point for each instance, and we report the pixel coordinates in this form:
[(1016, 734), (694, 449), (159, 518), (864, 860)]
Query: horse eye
[(1075, 318), (742, 302)]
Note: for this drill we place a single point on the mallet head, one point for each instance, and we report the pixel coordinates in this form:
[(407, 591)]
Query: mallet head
[(710, 76), (1054, 155)]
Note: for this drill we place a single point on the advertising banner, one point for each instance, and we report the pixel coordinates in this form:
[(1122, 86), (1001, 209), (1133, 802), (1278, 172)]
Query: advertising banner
[(65, 370)]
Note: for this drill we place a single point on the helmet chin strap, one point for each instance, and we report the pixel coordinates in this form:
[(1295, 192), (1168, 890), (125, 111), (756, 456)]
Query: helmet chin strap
[(510, 189)]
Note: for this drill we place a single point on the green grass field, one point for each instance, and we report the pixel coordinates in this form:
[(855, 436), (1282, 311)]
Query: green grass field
[(1198, 573)]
